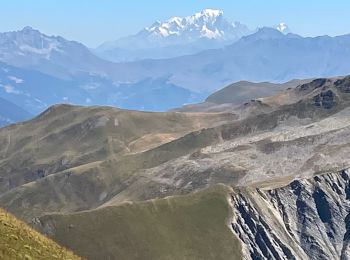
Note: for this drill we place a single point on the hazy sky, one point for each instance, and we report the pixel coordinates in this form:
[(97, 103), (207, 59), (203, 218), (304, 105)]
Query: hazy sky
[(95, 21)]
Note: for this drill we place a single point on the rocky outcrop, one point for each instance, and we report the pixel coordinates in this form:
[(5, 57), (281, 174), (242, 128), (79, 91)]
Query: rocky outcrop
[(308, 219)]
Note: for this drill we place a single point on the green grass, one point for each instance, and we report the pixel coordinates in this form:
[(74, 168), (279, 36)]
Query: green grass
[(19, 241), (182, 227)]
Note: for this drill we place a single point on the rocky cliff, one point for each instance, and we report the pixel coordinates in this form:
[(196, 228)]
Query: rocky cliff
[(307, 219)]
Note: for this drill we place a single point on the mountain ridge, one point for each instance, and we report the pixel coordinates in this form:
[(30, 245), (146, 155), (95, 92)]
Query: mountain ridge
[(185, 35), (209, 70)]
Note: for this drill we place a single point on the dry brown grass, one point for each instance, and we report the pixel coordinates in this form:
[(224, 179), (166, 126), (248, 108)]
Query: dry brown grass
[(19, 241)]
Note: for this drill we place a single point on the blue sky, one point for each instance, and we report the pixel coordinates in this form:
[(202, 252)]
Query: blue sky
[(95, 21)]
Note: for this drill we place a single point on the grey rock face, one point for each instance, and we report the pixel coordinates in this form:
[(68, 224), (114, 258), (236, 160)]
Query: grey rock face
[(308, 219), (325, 99)]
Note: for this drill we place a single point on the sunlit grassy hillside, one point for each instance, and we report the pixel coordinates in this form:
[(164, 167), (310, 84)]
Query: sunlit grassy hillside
[(19, 241)]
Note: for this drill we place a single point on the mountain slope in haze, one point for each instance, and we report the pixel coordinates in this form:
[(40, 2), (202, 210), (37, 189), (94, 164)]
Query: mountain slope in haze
[(153, 95), (177, 36), (53, 55), (267, 55), (32, 63), (10, 113), (73, 74), (36, 91), (69, 167), (19, 241)]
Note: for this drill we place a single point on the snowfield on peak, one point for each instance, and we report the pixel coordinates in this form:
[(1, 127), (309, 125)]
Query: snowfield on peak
[(176, 36), (209, 23), (283, 28), (205, 24)]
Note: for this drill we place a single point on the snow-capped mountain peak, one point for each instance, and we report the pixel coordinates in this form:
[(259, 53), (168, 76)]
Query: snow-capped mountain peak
[(208, 23), (207, 14), (206, 29), (211, 12)]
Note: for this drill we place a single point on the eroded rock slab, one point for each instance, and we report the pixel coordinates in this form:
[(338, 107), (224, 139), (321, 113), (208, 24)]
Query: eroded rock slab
[(308, 219)]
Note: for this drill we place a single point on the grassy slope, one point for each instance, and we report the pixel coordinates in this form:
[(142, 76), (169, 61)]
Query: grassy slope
[(68, 136), (19, 241), (243, 91), (183, 227)]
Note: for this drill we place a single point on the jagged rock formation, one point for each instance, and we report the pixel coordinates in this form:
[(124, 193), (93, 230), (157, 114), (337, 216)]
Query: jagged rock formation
[(307, 219)]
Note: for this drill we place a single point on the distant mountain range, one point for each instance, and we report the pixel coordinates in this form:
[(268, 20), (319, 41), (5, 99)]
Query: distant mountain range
[(175, 37), (267, 55), (35, 91), (52, 55), (37, 70)]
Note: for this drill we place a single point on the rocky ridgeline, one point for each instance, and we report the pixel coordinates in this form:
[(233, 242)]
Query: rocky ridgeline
[(308, 219)]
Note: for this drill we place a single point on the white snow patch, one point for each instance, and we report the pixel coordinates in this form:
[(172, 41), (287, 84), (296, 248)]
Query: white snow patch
[(163, 31), (283, 28), (15, 79), (46, 52), (212, 12), (11, 90), (208, 33), (197, 23)]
